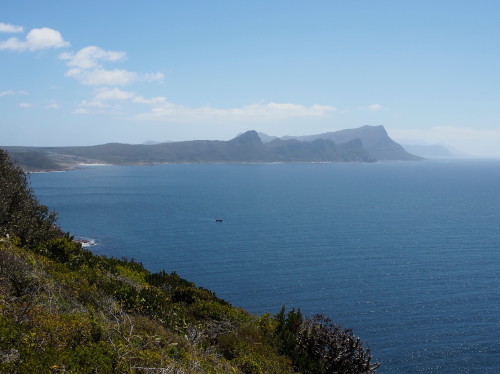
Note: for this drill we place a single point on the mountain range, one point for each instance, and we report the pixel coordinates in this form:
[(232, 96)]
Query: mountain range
[(374, 138), (364, 144)]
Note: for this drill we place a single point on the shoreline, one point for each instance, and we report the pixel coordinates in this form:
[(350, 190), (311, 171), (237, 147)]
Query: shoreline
[(86, 165)]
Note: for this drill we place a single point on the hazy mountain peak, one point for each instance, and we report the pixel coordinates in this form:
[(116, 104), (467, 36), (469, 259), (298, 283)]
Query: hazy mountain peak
[(374, 138), (266, 138), (249, 137)]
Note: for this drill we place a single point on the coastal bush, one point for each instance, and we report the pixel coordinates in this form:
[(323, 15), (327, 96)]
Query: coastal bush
[(246, 345), (65, 251), (213, 310), (134, 274), (167, 282), (122, 292), (21, 214), (317, 346)]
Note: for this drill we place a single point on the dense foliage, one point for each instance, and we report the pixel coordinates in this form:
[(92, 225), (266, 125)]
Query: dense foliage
[(20, 212), (66, 310)]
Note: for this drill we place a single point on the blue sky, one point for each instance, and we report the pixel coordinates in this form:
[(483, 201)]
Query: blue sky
[(82, 73)]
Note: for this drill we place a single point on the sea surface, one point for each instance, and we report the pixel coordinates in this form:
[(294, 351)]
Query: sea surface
[(407, 254)]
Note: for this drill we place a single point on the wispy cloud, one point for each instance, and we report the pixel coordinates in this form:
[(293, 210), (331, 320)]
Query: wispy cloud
[(90, 57), (92, 104), (111, 97), (52, 105), (12, 92), (375, 107), (151, 77), (152, 101), (25, 105), (107, 94), (103, 96), (36, 39), (6, 27), (103, 77), (165, 111)]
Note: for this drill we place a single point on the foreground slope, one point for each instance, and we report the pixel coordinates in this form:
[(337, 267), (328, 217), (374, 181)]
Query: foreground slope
[(66, 310)]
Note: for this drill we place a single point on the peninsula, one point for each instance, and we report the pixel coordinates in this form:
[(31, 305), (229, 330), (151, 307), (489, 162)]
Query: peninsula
[(364, 144)]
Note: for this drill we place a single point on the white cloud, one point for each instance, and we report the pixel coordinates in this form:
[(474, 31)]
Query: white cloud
[(25, 105), (12, 92), (89, 57), (86, 66), (7, 93), (168, 112), (473, 141), (104, 95), (103, 77), (375, 107), (45, 38), (153, 101), (164, 111), (80, 111), (6, 27), (35, 40)]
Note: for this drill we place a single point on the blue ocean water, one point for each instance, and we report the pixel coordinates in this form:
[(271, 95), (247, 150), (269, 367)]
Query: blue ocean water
[(407, 254)]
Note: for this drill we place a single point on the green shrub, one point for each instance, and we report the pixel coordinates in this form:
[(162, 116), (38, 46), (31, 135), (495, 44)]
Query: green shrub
[(64, 250), (317, 346), (167, 282), (21, 214)]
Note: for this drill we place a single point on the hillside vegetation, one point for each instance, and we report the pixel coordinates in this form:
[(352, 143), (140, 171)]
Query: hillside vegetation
[(66, 310)]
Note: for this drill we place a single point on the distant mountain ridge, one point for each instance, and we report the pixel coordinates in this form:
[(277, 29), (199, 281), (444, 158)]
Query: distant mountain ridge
[(374, 138), (365, 144)]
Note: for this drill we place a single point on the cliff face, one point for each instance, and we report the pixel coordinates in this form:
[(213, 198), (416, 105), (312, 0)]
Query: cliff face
[(318, 150), (374, 138)]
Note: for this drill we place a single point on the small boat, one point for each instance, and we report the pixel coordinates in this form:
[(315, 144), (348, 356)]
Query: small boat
[(218, 220)]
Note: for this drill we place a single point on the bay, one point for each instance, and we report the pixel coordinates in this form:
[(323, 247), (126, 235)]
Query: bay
[(407, 254)]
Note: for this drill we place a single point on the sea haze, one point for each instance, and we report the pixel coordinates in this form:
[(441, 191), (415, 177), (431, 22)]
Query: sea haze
[(407, 254)]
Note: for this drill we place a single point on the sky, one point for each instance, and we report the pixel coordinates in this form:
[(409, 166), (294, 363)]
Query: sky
[(93, 72)]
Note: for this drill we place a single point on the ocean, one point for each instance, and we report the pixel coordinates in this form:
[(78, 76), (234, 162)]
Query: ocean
[(406, 254)]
